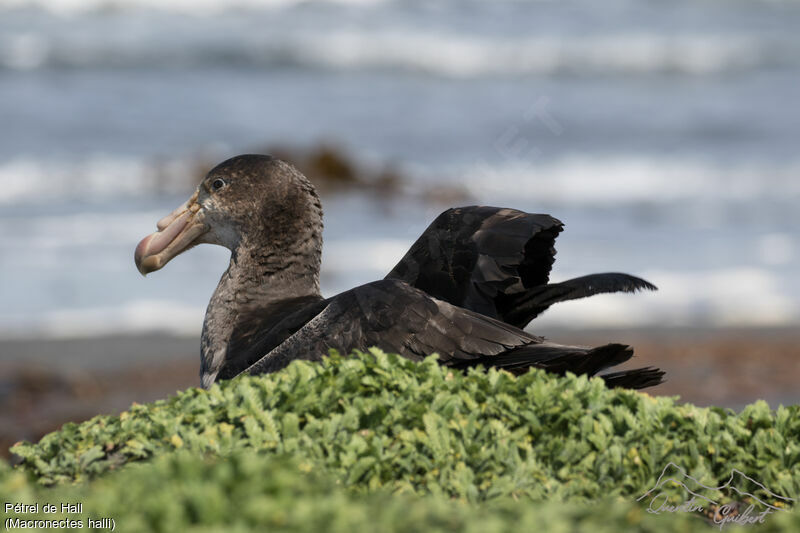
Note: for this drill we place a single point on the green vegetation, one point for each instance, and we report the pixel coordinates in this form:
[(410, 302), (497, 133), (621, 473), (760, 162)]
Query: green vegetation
[(376, 440), (255, 492)]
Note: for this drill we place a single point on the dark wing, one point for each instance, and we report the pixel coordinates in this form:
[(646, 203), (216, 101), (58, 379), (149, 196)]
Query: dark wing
[(260, 329), (400, 319), (469, 256), (522, 307), (497, 261)]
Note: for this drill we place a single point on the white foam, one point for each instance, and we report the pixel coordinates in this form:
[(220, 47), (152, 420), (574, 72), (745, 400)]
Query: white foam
[(468, 55), (370, 255), (194, 7), (571, 179), (136, 317), (727, 297), (777, 249), (39, 180), (77, 229), (25, 51), (441, 52), (617, 180), (736, 297)]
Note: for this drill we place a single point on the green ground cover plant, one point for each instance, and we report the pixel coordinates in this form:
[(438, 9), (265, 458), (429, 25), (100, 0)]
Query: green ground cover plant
[(381, 432), (247, 491)]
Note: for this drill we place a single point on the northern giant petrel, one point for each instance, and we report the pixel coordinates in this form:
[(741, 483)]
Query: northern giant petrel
[(464, 289)]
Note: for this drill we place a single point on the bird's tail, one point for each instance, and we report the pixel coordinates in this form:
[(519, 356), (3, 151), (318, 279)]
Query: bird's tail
[(560, 359), (588, 361), (638, 378)]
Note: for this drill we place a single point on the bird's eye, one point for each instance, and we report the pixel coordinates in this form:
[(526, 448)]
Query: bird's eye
[(217, 184)]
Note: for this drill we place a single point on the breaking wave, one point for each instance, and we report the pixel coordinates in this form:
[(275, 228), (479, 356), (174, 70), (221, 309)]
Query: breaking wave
[(736, 297), (567, 180), (435, 52), (619, 180)]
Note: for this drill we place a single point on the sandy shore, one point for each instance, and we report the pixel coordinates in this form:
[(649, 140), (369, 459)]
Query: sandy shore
[(46, 383)]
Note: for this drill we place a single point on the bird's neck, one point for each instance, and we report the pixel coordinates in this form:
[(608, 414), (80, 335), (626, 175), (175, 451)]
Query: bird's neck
[(257, 277)]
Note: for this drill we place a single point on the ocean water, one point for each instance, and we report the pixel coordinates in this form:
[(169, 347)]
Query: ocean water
[(664, 135)]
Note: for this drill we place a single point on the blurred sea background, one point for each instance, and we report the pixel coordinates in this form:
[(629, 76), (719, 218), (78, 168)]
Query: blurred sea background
[(663, 134)]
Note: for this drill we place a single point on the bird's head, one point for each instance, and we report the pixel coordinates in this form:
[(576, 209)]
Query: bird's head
[(246, 199)]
